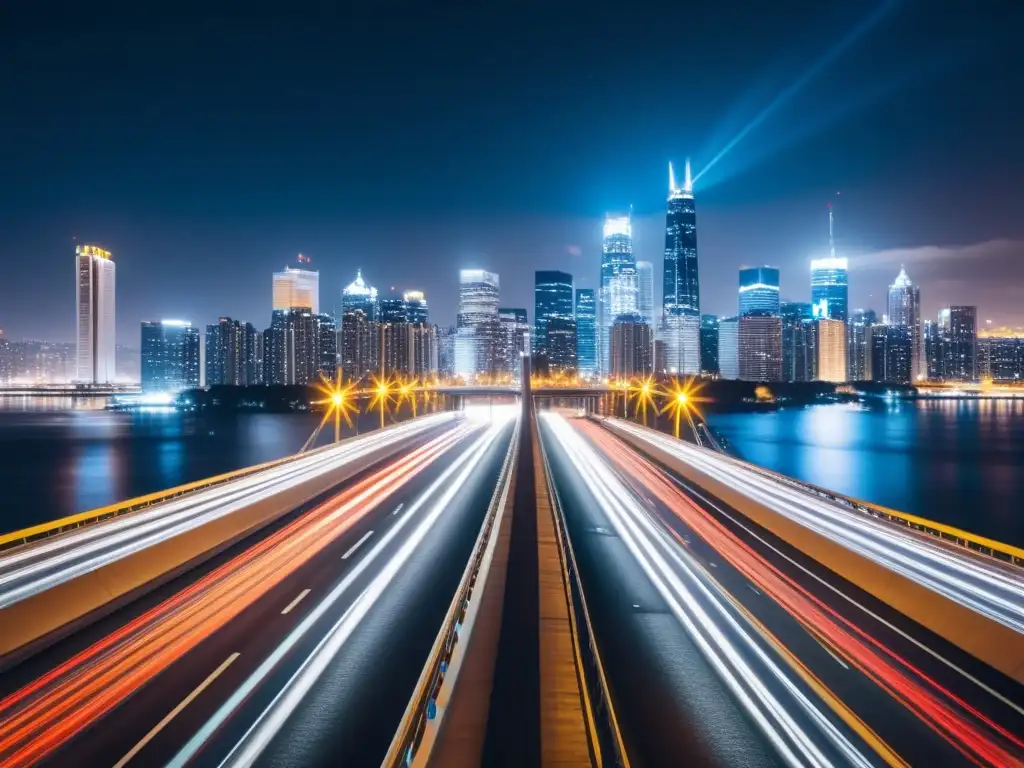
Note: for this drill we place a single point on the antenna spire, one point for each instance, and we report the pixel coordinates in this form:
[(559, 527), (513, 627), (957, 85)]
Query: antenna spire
[(671, 178), (831, 234), (687, 180)]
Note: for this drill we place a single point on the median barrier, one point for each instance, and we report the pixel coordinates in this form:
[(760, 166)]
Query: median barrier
[(995, 644)]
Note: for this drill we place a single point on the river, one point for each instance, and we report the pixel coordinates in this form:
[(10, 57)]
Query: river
[(959, 462)]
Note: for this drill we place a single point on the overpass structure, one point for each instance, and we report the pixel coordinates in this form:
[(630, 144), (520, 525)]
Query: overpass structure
[(509, 586)]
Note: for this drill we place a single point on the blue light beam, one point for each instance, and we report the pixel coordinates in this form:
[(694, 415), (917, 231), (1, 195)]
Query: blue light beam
[(852, 37)]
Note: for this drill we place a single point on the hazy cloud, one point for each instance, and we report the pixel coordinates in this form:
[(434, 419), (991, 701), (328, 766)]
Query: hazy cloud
[(1002, 252)]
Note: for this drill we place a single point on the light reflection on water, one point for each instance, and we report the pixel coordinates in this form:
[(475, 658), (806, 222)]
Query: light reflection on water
[(56, 461), (956, 461)]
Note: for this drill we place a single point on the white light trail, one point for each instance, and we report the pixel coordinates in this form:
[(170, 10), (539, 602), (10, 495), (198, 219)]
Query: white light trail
[(35, 568), (987, 588), (272, 719), (674, 574)]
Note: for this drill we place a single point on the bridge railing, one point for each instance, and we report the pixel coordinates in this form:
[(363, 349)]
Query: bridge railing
[(93, 516), (981, 545)]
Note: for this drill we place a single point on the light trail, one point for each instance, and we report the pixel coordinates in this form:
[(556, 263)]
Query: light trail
[(974, 735), (37, 719), (28, 570), (273, 718), (988, 588), (776, 703)]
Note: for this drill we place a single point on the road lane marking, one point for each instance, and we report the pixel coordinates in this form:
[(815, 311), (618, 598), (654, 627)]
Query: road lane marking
[(177, 710), (753, 589), (398, 509), (828, 650), (295, 602), (357, 545)]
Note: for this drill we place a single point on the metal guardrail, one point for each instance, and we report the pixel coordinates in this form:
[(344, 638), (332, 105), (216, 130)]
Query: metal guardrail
[(997, 550), (611, 746), (422, 706), (91, 517)]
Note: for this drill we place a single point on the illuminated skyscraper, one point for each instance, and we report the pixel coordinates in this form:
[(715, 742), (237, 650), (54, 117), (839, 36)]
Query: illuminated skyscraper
[(799, 354), (905, 312), (234, 353), (679, 329), (618, 290), (759, 291), (829, 280), (632, 347), (169, 356), (831, 349), (358, 295), (554, 324), (759, 347), (515, 339), (586, 332), (358, 347), (415, 307), (297, 288), (728, 348), (478, 336), (680, 285), (645, 290), (94, 312), (709, 345), (858, 342)]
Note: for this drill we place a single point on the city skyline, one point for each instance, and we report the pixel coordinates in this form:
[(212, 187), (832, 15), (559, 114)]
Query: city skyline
[(176, 200)]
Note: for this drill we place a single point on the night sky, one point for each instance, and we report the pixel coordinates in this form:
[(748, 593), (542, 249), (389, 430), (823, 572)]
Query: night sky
[(206, 151)]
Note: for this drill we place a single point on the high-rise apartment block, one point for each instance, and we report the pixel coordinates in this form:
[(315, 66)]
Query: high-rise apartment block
[(94, 313)]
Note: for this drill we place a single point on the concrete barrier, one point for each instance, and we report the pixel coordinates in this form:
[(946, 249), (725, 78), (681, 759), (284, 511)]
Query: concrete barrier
[(995, 644), (44, 618)]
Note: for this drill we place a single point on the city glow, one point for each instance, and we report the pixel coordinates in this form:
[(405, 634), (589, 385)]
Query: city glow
[(758, 287), (617, 225), (176, 323)]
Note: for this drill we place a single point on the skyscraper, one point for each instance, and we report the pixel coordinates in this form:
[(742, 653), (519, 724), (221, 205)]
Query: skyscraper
[(479, 331), (905, 312), (169, 356), (759, 346), (799, 355), (358, 295), (618, 290), (515, 338), (759, 291), (632, 347), (962, 358), (415, 307), (680, 309), (292, 347), (359, 336), (234, 352), (831, 348), (391, 308), (552, 299), (891, 353), (680, 285), (645, 290), (297, 288), (94, 312), (858, 332), (728, 348), (586, 332), (709, 345), (829, 280)]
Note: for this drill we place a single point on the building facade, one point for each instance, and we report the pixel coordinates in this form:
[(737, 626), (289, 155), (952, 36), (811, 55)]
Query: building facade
[(96, 362), (679, 325), (297, 288), (830, 287), (709, 345), (478, 338), (552, 300), (169, 356), (892, 354), (799, 351), (515, 339), (832, 350), (645, 290), (729, 348), (759, 291), (618, 292), (759, 342), (905, 312), (586, 332), (632, 347), (858, 339), (234, 353)]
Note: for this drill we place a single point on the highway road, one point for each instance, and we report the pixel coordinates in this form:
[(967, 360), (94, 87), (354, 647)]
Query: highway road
[(723, 645), (983, 585), (299, 646), (34, 568)]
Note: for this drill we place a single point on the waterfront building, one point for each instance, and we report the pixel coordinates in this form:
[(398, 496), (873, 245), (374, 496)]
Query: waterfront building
[(234, 353), (799, 349), (830, 338), (728, 348), (905, 312), (478, 338), (96, 361), (169, 356), (681, 336), (759, 291), (446, 351), (586, 332), (297, 288), (709, 345), (858, 331), (358, 295), (292, 347), (391, 308), (962, 357), (326, 346), (618, 292), (892, 353), (1001, 356), (632, 347), (759, 344), (552, 300), (560, 347)]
